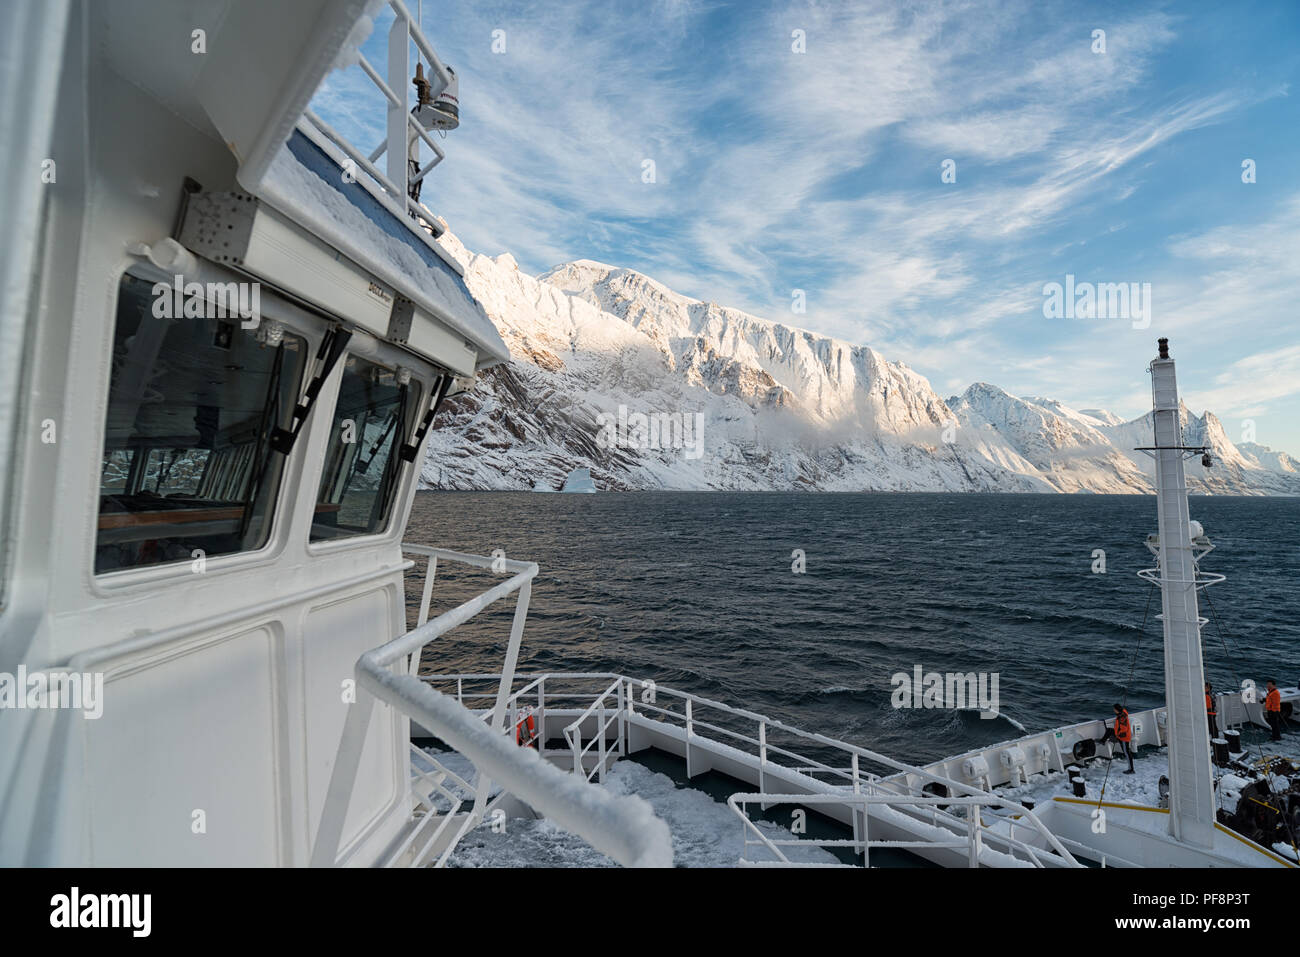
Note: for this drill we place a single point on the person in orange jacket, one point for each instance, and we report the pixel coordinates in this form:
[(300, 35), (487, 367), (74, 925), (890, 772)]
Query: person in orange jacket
[(1273, 710), (1210, 712), (1123, 733)]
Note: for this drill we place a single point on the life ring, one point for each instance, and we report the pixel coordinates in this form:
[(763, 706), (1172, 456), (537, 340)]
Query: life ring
[(526, 731)]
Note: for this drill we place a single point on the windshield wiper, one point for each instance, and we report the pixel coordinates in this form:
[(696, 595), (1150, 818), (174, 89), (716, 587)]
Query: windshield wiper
[(327, 356)]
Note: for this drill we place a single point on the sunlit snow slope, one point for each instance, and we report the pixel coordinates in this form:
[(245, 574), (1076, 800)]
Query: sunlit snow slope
[(779, 408)]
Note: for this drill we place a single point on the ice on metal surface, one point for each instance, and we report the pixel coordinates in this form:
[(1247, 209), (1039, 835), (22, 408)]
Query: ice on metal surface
[(304, 183), (705, 832)]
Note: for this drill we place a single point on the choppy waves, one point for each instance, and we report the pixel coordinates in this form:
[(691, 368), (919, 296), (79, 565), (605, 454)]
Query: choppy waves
[(697, 592)]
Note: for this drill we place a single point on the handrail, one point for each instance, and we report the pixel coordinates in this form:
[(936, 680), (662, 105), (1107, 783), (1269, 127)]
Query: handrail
[(573, 731), (973, 839), (401, 127), (623, 827), (436, 785), (859, 752), (854, 779)]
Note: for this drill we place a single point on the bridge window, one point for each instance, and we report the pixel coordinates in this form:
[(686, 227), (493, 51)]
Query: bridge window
[(188, 470), (374, 415)]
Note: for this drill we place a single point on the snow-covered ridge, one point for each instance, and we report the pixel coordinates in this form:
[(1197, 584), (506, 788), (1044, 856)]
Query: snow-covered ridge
[(783, 408), (1266, 458)]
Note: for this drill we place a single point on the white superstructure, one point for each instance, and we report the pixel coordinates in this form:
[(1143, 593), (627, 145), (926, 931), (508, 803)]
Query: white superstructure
[(221, 361)]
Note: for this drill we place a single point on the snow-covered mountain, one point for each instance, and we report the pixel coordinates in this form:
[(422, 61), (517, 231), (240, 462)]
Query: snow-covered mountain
[(1069, 449), (1266, 458), (614, 372), (1232, 472)]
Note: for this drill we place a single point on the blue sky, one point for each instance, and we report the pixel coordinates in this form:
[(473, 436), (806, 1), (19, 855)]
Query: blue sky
[(777, 170)]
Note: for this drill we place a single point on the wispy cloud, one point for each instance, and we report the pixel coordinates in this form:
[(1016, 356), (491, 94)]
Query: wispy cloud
[(820, 170)]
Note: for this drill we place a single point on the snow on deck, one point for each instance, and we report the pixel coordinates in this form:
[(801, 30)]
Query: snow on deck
[(1142, 787), (705, 832)]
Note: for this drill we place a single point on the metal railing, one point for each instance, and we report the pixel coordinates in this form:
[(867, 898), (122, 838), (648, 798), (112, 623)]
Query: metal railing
[(622, 827), (851, 778), (598, 709), (970, 838), (402, 129), (841, 783), (521, 699), (430, 779), (1053, 749)]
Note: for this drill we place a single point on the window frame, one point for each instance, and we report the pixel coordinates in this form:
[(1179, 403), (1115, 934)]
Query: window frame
[(422, 375), (297, 322)]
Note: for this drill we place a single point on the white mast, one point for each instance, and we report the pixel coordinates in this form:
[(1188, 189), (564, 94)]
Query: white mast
[(1191, 782)]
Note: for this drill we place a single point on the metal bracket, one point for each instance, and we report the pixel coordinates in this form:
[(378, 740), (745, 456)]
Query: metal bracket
[(1188, 451), (218, 226), (327, 357), (399, 323)]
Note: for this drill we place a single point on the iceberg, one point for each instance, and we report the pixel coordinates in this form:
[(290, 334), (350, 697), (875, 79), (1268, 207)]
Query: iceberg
[(579, 480)]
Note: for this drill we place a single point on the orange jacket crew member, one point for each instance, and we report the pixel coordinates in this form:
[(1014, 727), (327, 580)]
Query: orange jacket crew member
[(1273, 710), (1210, 713), (1123, 733), (1122, 729)]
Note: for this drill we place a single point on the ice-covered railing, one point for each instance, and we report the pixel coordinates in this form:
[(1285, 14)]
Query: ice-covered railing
[(607, 710), (401, 126), (803, 752), (623, 827), (439, 795), (970, 839)]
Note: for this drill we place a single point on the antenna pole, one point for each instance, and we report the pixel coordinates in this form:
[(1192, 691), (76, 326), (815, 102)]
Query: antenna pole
[(1191, 781)]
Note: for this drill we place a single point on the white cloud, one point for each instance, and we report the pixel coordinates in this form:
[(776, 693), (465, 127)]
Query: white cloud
[(820, 171)]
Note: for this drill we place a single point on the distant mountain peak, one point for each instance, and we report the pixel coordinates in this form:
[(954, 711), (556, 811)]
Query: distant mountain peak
[(1102, 416), (778, 407)]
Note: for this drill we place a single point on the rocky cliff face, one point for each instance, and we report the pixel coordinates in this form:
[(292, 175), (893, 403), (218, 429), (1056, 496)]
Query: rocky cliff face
[(615, 372)]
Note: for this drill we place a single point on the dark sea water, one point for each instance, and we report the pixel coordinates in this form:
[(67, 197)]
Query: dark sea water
[(695, 591)]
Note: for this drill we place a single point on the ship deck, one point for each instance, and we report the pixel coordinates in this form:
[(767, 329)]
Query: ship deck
[(1105, 780)]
